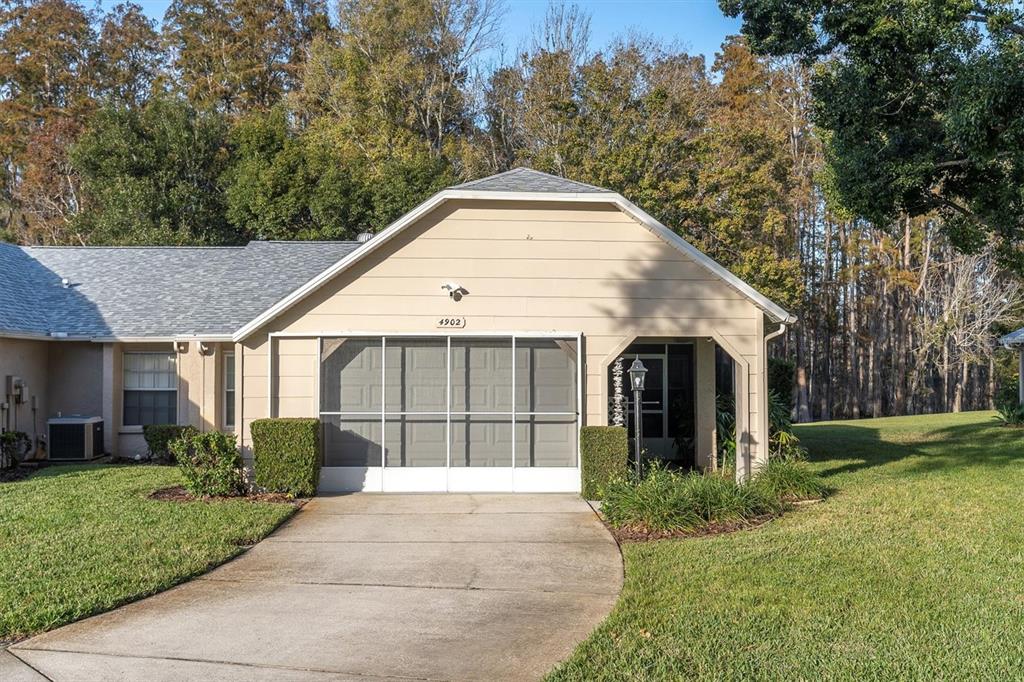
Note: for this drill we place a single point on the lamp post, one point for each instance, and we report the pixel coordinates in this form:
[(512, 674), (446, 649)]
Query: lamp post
[(637, 372)]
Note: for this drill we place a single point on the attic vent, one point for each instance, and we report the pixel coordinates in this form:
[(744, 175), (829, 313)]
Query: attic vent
[(364, 237)]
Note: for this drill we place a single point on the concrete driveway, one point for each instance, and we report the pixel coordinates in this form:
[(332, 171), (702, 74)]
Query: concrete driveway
[(438, 587)]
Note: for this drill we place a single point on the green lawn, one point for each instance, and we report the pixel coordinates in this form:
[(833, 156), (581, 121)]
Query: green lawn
[(75, 541), (914, 569)]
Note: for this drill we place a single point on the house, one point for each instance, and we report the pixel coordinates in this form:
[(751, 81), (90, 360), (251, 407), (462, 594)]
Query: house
[(1015, 340), (461, 348)]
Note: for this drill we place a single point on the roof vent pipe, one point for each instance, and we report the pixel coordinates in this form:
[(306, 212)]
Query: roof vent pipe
[(65, 282), (364, 237)]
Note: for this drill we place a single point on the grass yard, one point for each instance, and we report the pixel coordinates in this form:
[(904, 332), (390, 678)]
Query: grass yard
[(77, 540), (914, 569)]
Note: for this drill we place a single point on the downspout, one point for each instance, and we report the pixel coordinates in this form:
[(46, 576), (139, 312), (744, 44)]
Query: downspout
[(778, 332)]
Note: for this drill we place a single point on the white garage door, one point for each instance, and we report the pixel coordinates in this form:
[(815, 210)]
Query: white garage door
[(450, 413)]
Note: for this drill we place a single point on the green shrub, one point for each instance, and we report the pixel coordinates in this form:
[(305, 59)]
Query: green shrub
[(286, 455), (209, 463), (790, 480), (667, 501), (781, 379), (159, 437), (725, 428), (1011, 413), (604, 451), (13, 446), (782, 442)]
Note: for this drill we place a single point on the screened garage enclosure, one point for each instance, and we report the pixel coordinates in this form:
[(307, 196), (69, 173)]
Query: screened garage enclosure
[(450, 413)]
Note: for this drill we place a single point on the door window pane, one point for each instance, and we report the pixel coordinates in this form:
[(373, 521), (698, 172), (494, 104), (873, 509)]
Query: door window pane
[(546, 441), (415, 441), (481, 375), (481, 441), (350, 378), (415, 375), (351, 442)]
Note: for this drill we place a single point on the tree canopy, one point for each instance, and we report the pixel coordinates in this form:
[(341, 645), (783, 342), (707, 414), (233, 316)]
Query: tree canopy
[(921, 101)]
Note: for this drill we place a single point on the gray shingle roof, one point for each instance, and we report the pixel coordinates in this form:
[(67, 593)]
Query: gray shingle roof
[(127, 292), (527, 180)]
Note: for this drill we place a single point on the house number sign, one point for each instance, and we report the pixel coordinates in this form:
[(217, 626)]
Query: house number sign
[(451, 323)]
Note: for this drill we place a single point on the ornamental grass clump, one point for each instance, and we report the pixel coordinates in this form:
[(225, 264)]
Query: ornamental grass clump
[(665, 502), (790, 481)]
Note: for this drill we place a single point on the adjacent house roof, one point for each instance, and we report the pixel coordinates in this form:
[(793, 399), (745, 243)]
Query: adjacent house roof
[(1014, 338), (527, 180), (136, 292)]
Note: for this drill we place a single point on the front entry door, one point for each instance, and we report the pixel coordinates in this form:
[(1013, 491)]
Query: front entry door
[(667, 410)]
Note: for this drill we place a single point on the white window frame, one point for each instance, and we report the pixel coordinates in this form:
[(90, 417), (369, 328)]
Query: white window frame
[(125, 389), (229, 361)]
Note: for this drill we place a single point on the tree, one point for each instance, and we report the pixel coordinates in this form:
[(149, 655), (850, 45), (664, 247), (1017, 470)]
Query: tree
[(746, 182), (128, 57), (240, 55), (151, 175), (46, 85), (283, 184), (401, 66), (921, 102)]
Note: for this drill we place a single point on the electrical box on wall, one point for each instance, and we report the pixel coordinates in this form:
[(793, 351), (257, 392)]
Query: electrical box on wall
[(15, 389)]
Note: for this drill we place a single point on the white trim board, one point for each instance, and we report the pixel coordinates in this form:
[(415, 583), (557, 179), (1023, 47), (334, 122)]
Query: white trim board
[(771, 309)]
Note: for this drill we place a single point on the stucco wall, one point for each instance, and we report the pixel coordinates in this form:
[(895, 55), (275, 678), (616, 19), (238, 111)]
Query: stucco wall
[(75, 378), (528, 267), (26, 359)]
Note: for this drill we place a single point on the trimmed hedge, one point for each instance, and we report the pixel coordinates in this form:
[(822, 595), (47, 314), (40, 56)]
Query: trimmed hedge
[(604, 451), (209, 463), (286, 455), (160, 436)]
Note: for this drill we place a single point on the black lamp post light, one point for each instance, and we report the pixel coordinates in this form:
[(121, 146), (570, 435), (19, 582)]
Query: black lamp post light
[(637, 372)]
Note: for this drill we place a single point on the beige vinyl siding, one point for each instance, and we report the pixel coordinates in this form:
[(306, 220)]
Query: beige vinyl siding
[(528, 267)]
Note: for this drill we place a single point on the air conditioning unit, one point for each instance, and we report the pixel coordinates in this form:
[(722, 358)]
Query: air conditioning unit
[(75, 439)]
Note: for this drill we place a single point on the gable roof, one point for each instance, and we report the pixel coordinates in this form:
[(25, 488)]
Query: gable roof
[(536, 187), (147, 292), (527, 180)]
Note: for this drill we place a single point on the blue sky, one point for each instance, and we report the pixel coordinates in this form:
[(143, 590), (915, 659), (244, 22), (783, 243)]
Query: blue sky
[(696, 25)]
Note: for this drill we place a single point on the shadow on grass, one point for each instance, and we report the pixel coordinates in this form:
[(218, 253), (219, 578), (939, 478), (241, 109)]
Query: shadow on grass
[(934, 445)]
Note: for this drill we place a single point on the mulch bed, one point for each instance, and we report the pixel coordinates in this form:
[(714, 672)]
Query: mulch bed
[(179, 494), (16, 474)]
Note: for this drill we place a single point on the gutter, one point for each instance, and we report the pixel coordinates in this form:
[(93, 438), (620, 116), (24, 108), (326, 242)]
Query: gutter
[(778, 332)]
